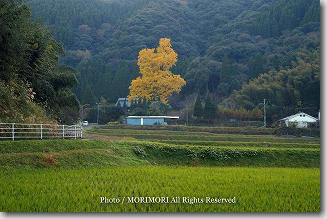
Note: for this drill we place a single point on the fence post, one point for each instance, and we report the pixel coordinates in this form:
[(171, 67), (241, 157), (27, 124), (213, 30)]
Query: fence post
[(75, 132), (81, 131), (41, 132), (63, 131), (13, 131)]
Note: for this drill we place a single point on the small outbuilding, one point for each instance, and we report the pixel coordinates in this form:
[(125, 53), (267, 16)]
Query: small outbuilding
[(121, 102), (149, 120), (299, 120)]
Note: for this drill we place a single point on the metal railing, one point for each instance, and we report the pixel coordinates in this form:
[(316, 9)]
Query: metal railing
[(13, 131)]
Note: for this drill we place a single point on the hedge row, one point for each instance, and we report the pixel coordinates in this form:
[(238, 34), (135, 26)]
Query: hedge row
[(216, 130), (312, 132), (183, 155)]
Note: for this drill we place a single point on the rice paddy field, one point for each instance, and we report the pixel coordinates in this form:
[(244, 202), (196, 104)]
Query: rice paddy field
[(112, 169)]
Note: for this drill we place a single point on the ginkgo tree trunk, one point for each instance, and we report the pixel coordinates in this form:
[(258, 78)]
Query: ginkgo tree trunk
[(156, 81)]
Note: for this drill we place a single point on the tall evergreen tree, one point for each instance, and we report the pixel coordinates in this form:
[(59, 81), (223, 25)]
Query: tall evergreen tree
[(210, 110), (198, 109)]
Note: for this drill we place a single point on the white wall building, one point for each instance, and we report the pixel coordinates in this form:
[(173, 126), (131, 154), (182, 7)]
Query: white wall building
[(149, 120), (299, 120), (123, 101)]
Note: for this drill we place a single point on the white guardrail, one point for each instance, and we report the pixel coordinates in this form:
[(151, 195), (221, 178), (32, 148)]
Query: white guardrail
[(13, 131)]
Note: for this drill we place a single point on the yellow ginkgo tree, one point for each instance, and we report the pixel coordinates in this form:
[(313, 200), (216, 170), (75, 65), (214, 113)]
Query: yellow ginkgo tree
[(156, 81)]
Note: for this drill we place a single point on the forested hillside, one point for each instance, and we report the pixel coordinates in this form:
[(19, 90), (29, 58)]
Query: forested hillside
[(33, 86), (222, 45)]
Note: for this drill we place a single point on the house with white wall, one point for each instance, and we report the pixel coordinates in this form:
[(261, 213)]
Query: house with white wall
[(121, 102), (299, 120), (149, 120)]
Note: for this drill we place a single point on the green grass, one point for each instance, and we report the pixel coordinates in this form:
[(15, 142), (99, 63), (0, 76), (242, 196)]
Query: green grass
[(48, 145), (241, 144), (265, 173), (159, 153), (70, 153), (79, 190), (65, 154), (199, 136), (221, 130)]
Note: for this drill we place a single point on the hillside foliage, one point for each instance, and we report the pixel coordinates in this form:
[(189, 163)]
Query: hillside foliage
[(221, 44), (222, 47), (33, 86)]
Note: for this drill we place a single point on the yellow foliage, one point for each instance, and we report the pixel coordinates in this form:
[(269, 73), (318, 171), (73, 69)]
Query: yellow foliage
[(156, 80)]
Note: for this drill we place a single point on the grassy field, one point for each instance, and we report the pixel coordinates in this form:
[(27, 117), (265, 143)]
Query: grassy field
[(255, 189), (159, 135), (264, 173)]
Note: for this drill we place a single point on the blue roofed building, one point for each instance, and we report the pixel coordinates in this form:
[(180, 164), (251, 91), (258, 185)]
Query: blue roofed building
[(149, 120)]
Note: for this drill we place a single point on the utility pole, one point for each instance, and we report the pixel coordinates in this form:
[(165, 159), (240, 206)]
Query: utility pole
[(98, 104), (82, 111), (264, 113), (187, 116)]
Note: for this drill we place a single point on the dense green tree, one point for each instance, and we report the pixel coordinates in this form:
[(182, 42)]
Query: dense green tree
[(107, 113), (36, 85), (257, 66), (198, 108), (288, 91), (157, 108), (210, 110)]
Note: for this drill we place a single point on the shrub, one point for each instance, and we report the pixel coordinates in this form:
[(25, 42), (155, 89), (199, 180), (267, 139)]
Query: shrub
[(216, 130), (139, 151), (312, 132)]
